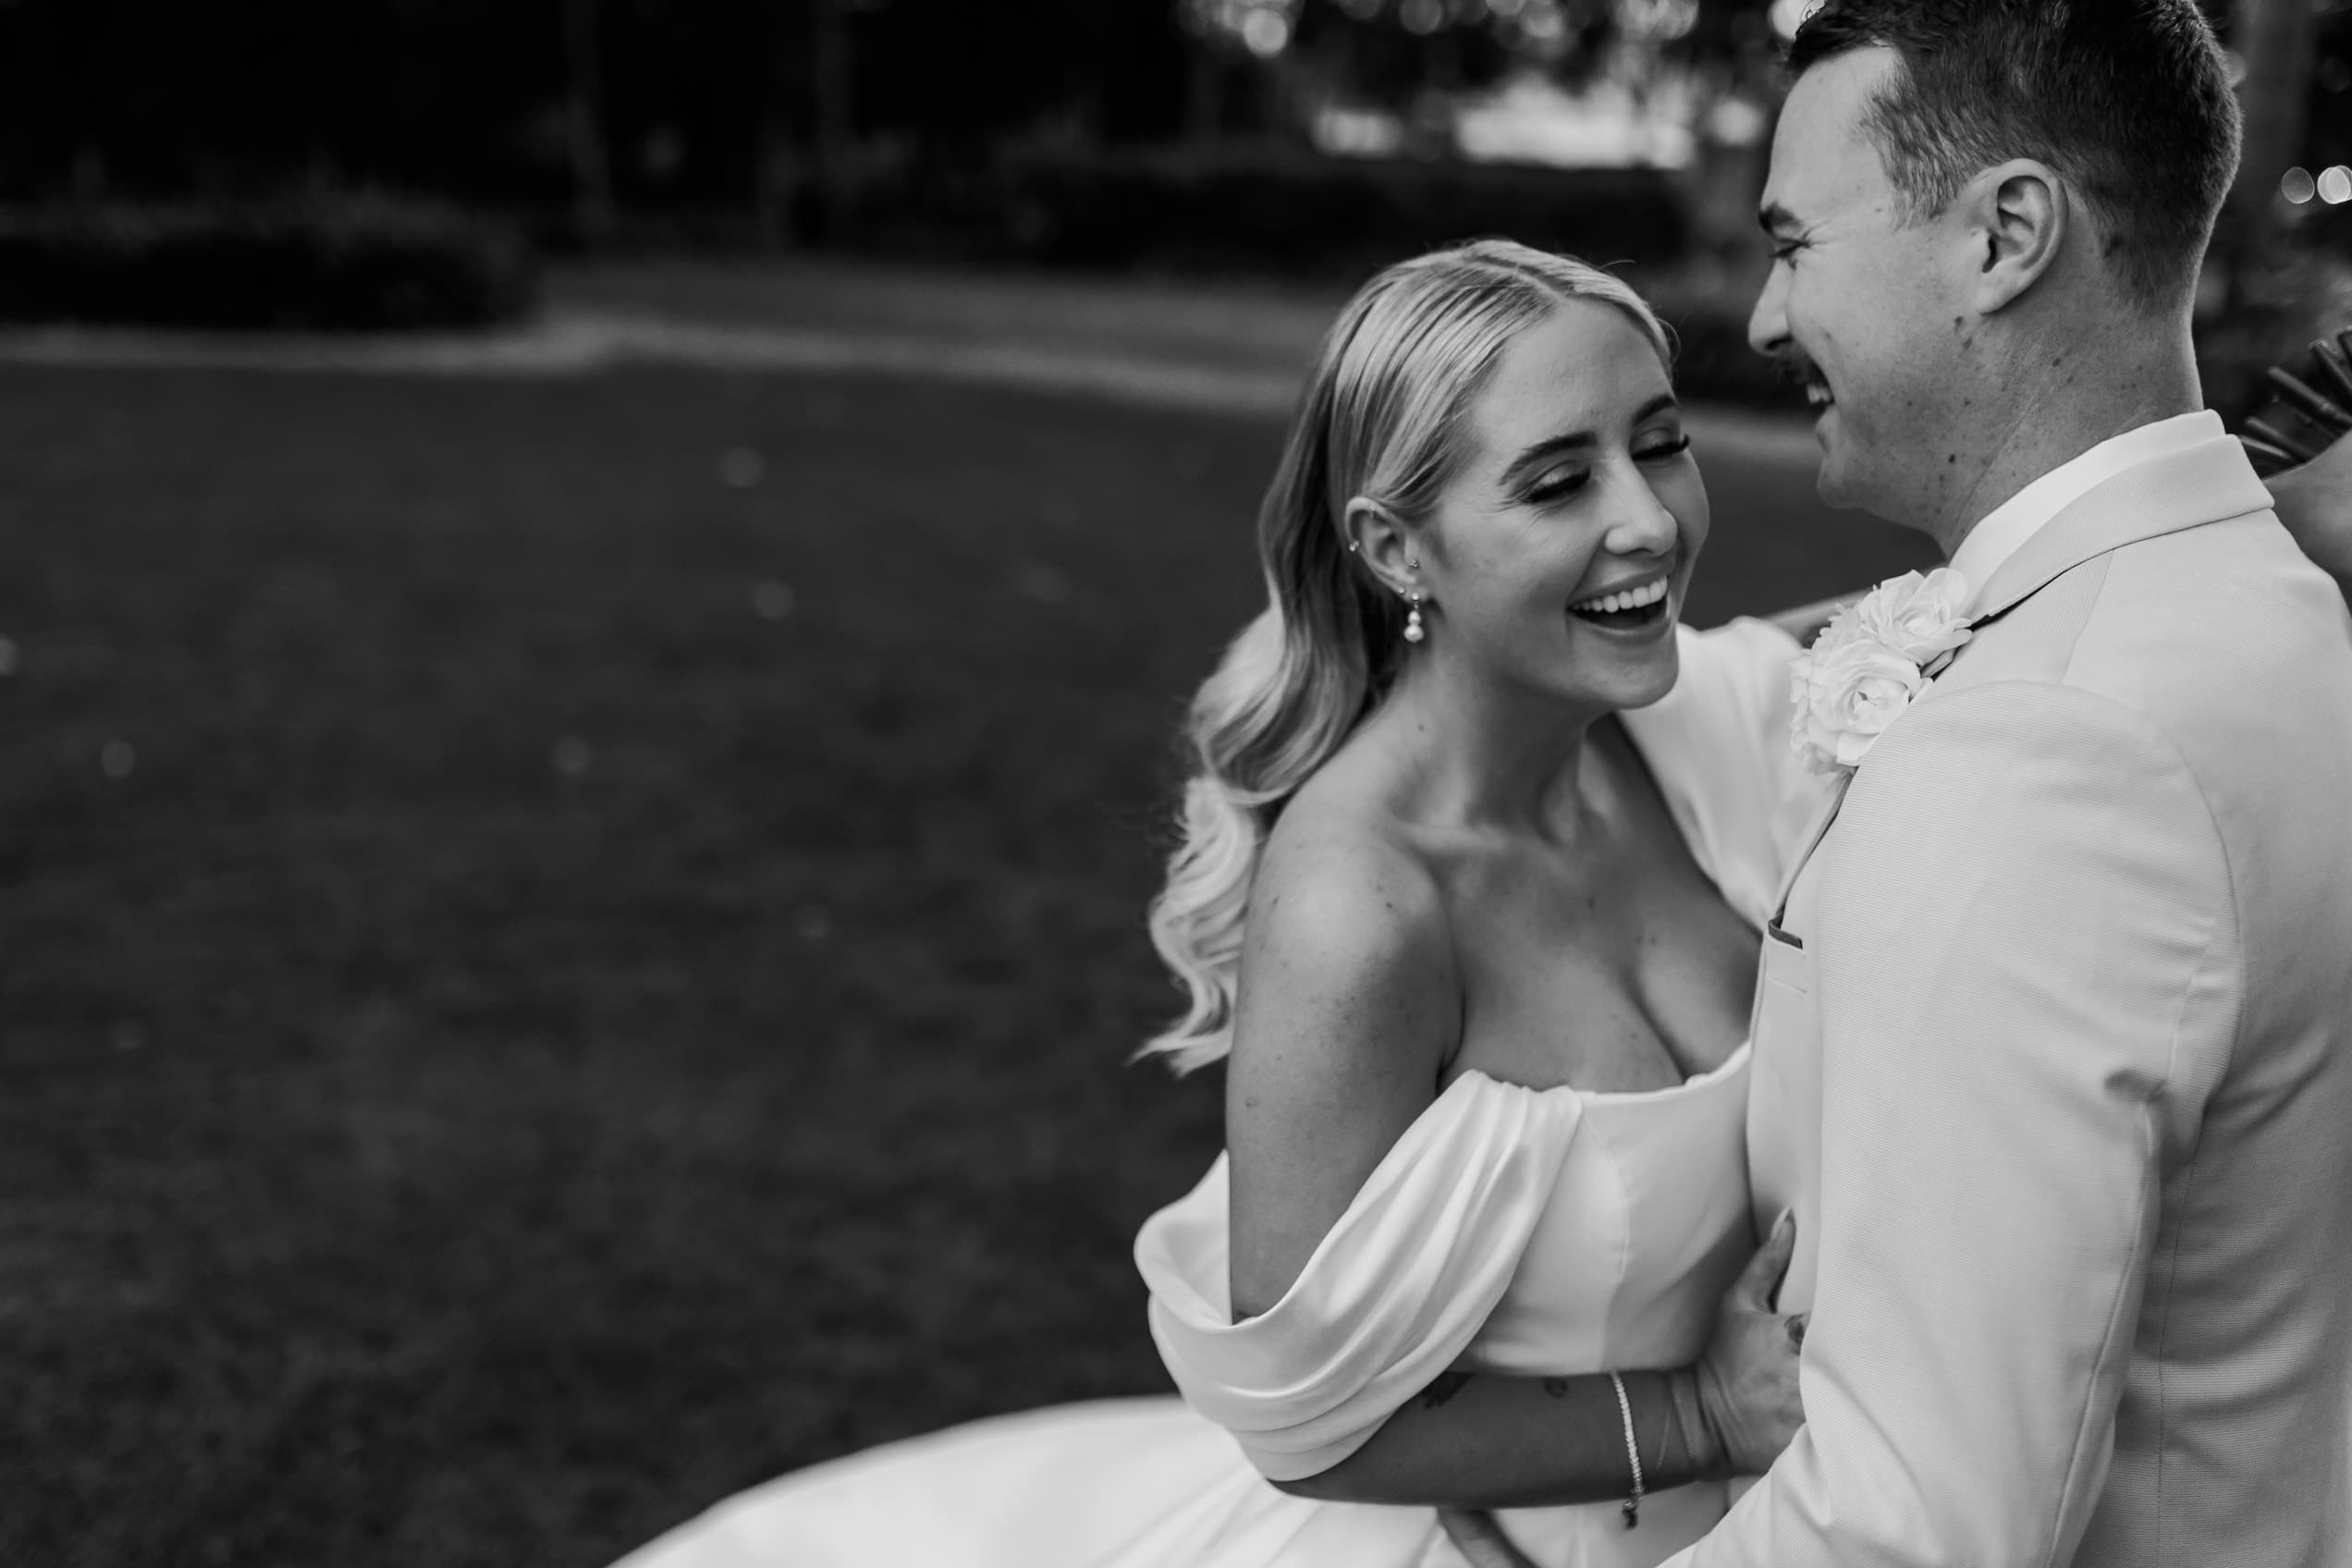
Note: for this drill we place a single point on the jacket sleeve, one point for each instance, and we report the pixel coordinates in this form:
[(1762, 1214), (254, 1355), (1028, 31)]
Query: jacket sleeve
[(2027, 981)]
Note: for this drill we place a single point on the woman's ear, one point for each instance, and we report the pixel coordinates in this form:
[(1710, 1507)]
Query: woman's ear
[(1377, 538)]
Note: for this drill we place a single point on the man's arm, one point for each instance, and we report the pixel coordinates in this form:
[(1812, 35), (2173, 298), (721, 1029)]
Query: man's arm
[(2025, 972)]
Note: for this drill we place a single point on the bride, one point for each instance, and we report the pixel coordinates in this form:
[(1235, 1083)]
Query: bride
[(1477, 865), (1506, 839)]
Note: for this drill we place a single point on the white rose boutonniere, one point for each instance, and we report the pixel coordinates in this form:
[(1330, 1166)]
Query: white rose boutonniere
[(1873, 663)]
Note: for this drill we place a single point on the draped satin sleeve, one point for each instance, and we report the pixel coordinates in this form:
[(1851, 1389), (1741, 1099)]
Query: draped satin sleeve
[(1390, 1298)]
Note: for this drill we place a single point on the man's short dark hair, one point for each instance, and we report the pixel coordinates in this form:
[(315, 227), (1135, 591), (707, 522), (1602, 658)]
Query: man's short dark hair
[(2129, 100)]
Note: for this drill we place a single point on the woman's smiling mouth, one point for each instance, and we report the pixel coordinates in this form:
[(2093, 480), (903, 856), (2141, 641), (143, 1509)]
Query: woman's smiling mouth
[(1625, 608)]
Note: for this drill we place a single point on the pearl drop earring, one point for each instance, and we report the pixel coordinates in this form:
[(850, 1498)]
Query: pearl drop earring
[(1413, 628)]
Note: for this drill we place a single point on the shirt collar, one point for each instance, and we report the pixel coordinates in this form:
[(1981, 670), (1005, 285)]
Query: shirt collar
[(2006, 528)]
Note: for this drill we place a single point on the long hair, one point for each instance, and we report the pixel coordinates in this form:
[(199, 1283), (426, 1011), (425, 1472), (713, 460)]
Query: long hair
[(1382, 418)]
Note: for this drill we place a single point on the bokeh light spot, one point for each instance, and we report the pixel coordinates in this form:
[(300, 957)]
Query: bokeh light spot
[(1789, 15), (1265, 34)]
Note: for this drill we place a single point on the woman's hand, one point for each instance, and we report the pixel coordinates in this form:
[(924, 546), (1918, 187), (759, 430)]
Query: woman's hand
[(2315, 502), (1748, 1376), (2309, 468), (1746, 1385)]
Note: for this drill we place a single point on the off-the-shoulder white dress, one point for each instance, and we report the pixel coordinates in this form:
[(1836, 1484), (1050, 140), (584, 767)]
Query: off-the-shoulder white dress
[(1536, 1233)]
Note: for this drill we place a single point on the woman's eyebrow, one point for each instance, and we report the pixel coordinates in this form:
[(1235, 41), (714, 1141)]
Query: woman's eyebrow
[(1554, 445)]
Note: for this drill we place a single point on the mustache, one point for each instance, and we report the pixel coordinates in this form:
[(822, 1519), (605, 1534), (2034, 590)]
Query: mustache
[(1794, 367)]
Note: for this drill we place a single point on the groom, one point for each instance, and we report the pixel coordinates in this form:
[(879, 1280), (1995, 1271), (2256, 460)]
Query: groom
[(2053, 1052)]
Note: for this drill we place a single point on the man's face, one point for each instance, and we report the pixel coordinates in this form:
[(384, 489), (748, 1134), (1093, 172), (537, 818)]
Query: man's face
[(1856, 302)]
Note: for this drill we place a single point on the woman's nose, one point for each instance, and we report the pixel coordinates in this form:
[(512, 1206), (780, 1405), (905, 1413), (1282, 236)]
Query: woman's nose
[(1642, 525)]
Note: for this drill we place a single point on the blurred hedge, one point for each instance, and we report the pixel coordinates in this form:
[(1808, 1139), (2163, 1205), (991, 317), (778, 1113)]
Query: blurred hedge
[(344, 263), (1252, 210)]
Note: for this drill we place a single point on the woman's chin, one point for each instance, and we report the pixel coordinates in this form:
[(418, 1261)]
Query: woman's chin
[(1629, 680), (1653, 687)]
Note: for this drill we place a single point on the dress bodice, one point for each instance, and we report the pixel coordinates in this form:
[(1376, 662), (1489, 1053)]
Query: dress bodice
[(1536, 1233), (1645, 1227)]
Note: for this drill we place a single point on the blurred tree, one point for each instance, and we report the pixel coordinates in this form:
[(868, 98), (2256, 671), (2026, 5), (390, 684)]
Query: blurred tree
[(594, 104), (2275, 40), (592, 190), (2328, 140), (586, 107), (1414, 59)]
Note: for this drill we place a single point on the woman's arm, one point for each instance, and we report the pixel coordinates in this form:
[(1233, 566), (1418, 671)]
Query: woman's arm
[(1348, 1009), (1472, 1441), (1482, 1442), (1807, 622)]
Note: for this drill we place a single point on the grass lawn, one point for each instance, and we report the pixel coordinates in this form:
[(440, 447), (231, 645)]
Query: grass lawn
[(538, 987)]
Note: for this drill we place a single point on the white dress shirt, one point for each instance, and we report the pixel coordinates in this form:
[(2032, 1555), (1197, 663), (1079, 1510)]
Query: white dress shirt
[(2006, 528)]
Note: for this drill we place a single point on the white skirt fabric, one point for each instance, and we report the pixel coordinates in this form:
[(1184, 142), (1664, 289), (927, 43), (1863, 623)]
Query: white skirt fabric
[(1138, 1483)]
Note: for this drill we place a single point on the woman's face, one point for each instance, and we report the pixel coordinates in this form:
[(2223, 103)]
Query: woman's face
[(1558, 557)]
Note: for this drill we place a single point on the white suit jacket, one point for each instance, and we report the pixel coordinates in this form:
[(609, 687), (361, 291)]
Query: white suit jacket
[(2053, 1060)]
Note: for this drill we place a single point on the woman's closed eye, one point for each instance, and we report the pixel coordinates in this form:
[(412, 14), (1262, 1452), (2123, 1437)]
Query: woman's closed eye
[(1566, 479), (1557, 484)]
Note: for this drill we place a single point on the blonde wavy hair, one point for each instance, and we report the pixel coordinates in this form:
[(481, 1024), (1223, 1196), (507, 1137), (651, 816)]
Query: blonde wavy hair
[(1383, 418)]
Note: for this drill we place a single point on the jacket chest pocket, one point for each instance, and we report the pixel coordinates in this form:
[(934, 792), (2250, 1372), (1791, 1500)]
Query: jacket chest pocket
[(1783, 996), (1786, 964)]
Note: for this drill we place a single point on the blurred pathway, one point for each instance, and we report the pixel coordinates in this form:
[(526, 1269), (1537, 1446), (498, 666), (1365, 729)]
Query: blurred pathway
[(575, 341), (1217, 346)]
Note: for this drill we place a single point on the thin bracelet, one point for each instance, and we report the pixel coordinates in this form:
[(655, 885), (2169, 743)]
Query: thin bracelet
[(1632, 1451)]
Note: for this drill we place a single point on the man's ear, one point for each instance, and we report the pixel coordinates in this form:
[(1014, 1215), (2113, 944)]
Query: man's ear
[(1383, 543), (2019, 215)]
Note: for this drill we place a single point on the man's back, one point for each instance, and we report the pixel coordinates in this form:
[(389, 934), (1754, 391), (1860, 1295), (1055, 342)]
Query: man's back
[(2230, 1440)]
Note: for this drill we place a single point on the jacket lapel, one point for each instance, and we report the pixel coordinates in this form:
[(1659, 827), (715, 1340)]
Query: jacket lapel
[(2207, 482), (1814, 833)]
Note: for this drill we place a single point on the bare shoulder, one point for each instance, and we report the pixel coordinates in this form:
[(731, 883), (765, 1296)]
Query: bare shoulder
[(1346, 920), (1349, 1008)]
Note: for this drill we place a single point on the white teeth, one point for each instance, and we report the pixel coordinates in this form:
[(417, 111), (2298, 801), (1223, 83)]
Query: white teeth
[(1630, 599), (1818, 396)]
